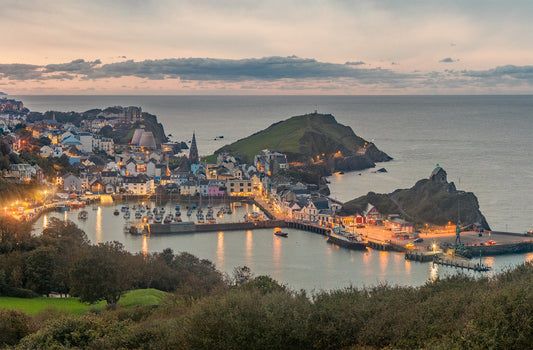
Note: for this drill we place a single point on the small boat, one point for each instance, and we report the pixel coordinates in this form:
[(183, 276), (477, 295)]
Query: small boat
[(150, 216), (278, 232), (127, 215), (116, 212), (168, 219), (177, 208), (158, 219), (178, 219), (95, 207), (83, 214), (138, 215)]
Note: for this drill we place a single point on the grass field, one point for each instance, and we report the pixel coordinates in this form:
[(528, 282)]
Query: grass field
[(33, 306)]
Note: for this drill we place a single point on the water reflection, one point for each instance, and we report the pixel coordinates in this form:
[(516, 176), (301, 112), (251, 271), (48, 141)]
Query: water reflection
[(98, 226), (249, 245), (433, 272), (45, 221), (529, 257), (145, 245), (220, 251), (276, 257), (65, 218), (383, 260)]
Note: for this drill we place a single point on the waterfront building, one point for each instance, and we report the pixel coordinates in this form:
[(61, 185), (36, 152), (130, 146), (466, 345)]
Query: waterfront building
[(138, 185), (72, 183), (397, 224), (372, 214), (239, 187), (189, 188)]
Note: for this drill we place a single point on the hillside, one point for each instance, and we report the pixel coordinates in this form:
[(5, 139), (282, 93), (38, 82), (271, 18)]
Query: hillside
[(311, 139), (433, 201)]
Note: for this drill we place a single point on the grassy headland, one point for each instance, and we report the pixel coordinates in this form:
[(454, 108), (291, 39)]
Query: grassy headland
[(309, 139)]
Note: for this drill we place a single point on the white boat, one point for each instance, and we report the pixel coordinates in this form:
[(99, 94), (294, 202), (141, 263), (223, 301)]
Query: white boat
[(138, 215)]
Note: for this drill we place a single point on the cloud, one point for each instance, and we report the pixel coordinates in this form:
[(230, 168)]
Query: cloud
[(78, 66), (448, 60), (17, 71), (357, 63), (273, 72), (524, 73)]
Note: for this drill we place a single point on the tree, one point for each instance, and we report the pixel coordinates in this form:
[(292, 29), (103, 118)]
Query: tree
[(241, 274), (40, 266), (100, 273)]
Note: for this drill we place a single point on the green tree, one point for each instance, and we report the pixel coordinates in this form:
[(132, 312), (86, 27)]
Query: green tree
[(101, 273), (40, 266)]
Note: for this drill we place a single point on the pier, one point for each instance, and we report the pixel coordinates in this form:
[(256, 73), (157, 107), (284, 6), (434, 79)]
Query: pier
[(460, 264), (307, 227)]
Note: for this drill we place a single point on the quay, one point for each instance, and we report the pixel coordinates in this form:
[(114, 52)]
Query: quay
[(191, 227), (460, 264)]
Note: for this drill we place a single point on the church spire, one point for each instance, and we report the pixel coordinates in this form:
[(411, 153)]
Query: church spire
[(193, 152)]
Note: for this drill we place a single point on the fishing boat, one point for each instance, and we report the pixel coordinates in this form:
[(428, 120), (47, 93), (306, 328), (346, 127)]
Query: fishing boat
[(338, 235), (280, 233), (138, 215), (83, 215), (127, 215)]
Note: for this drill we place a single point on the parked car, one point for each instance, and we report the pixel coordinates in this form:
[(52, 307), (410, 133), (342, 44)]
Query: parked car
[(418, 240)]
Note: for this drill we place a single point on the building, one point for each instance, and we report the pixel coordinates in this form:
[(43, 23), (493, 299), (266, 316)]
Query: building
[(138, 185), (193, 151), (72, 183), (239, 187)]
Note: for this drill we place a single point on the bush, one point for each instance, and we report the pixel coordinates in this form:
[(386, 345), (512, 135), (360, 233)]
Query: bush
[(14, 325)]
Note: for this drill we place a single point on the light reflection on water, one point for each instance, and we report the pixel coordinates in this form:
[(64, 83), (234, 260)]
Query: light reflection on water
[(220, 250), (99, 225), (303, 260)]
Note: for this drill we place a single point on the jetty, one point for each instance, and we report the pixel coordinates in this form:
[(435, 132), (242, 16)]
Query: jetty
[(460, 264)]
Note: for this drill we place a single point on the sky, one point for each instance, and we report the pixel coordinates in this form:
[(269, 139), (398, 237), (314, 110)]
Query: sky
[(338, 47)]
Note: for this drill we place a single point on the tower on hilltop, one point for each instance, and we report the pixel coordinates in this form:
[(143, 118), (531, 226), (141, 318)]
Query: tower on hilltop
[(193, 152)]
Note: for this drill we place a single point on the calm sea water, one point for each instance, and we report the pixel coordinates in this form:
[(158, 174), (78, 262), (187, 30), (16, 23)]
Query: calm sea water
[(483, 142)]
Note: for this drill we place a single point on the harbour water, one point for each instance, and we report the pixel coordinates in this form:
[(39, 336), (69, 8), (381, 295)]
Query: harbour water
[(483, 142)]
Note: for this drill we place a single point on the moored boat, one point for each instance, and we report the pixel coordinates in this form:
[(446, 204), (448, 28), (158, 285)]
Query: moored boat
[(338, 235), (116, 212), (83, 215), (280, 233)]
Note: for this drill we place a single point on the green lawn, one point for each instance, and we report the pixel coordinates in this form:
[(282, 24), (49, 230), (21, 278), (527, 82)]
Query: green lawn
[(72, 305)]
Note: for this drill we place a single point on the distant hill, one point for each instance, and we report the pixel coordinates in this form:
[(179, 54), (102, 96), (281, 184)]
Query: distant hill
[(433, 201), (311, 139), (3, 93)]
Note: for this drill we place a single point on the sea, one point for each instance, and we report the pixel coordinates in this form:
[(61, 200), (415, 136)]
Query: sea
[(483, 142)]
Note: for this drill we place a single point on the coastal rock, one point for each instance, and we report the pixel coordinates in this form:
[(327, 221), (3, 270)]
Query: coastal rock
[(433, 200)]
